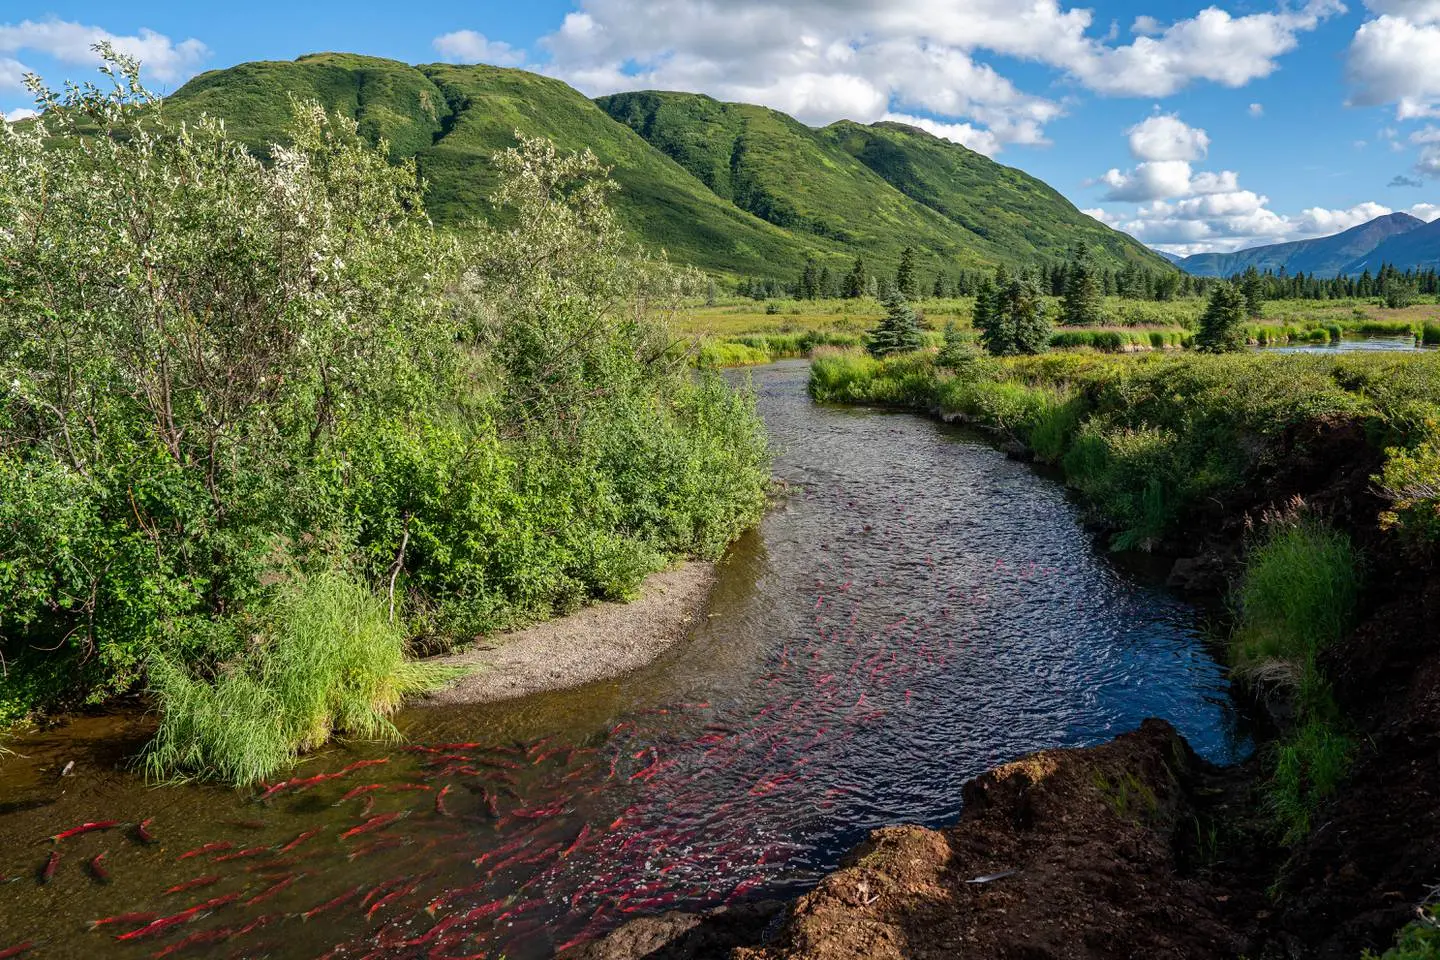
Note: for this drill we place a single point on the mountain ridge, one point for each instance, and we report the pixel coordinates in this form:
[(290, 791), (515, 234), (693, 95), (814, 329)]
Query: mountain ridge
[(831, 193), (1339, 254)]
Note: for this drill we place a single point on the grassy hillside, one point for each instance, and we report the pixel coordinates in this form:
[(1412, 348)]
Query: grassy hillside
[(730, 188), (1013, 212), (876, 189)]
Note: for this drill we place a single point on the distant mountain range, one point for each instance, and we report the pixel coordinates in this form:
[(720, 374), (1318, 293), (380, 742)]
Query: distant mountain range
[(730, 188), (1399, 239)]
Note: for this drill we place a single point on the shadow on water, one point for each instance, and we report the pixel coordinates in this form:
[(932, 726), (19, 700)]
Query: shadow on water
[(914, 611)]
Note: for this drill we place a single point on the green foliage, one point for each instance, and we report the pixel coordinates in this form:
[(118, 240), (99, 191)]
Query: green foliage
[(1310, 765), (222, 380), (1419, 940), (1298, 595), (1253, 290), (898, 332), (1411, 482), (1084, 299), (907, 283), (1220, 325), (322, 656), (1012, 320)]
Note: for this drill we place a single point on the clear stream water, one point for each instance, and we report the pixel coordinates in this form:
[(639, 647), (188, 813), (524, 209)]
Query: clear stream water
[(915, 611)]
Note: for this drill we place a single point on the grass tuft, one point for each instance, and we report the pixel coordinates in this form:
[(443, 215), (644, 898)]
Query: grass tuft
[(325, 658)]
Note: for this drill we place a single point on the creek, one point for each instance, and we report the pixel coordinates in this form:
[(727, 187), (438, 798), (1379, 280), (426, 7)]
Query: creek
[(915, 610)]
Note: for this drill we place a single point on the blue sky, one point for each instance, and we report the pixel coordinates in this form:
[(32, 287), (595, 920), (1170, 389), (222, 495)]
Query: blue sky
[(1193, 126)]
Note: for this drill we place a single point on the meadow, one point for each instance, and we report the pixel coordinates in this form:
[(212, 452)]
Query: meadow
[(736, 331)]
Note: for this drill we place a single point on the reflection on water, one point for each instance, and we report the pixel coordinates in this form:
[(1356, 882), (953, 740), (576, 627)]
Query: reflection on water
[(1352, 345), (916, 610)]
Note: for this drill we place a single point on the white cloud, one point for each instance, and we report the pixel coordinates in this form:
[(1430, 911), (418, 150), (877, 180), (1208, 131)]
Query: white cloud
[(965, 134), (1229, 222), (1428, 163), (823, 60), (467, 46), (1257, 110), (70, 42), (1393, 60), (1212, 45), (1184, 211), (1425, 211), (1167, 137), (21, 113), (12, 74), (1416, 11)]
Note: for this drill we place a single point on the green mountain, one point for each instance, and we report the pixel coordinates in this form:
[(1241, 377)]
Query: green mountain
[(730, 188), (876, 188)]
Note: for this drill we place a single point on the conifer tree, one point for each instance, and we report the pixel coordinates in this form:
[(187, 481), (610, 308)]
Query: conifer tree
[(1253, 290), (899, 330), (810, 280), (1083, 303), (827, 283), (853, 286), (906, 282), (1220, 325), (938, 291), (1011, 317)]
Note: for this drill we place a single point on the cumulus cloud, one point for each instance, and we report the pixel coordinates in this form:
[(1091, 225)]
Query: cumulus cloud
[(1234, 222), (823, 60), (1417, 11), (467, 46), (1182, 211), (22, 113), (1392, 60), (1428, 163), (1167, 137), (12, 74), (71, 42), (1426, 211), (1213, 45), (965, 134)]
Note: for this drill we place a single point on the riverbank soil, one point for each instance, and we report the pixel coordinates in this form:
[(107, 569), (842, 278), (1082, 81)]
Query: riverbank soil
[(596, 643), (1064, 854)]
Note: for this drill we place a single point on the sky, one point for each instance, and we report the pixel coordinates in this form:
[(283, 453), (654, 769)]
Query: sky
[(1193, 127)]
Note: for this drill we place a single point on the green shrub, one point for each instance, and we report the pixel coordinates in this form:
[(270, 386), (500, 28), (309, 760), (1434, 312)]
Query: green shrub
[(1310, 765), (1417, 941), (1297, 596), (324, 657)]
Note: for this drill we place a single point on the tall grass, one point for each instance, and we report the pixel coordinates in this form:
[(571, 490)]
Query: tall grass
[(325, 658), (1298, 595)]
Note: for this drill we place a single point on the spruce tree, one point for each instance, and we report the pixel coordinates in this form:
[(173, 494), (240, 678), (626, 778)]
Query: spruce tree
[(899, 330), (853, 286), (1253, 290), (1028, 322), (938, 291), (1083, 304), (810, 280), (906, 282), (827, 283), (1220, 325)]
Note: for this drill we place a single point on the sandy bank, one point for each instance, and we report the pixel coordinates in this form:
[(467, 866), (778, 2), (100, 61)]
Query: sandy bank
[(599, 642)]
